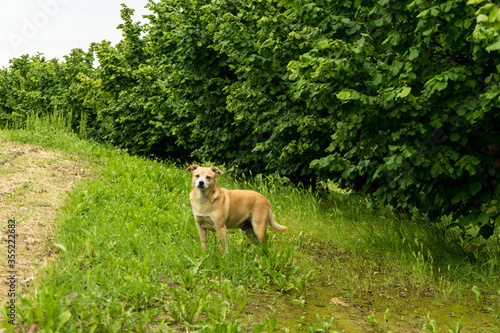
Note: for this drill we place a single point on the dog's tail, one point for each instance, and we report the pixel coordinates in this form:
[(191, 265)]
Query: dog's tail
[(275, 224)]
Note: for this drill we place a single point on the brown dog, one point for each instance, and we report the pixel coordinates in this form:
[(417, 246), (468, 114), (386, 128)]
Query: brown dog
[(216, 209)]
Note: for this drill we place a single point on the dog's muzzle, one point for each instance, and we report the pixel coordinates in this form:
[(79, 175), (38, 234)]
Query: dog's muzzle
[(201, 184)]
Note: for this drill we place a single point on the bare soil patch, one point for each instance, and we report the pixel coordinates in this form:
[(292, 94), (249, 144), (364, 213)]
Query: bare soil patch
[(33, 185)]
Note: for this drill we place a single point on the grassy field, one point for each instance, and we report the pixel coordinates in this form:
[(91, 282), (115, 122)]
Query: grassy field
[(129, 259)]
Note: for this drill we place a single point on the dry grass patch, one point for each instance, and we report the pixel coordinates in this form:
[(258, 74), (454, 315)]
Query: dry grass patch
[(33, 185)]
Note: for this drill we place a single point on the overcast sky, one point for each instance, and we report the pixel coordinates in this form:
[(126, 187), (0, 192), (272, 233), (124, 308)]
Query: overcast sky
[(55, 27)]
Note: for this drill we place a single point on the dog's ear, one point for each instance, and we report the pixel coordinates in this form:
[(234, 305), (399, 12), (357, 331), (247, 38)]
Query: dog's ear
[(216, 170), (192, 168)]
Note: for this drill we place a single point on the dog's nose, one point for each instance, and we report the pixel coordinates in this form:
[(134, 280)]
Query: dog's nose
[(201, 184)]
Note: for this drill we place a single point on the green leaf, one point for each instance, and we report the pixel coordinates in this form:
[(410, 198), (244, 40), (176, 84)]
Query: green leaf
[(324, 44), (413, 54), (434, 11), (475, 2), (470, 168), (405, 92), (395, 39), (63, 318), (482, 19), (407, 153), (441, 85), (436, 170), (423, 13), (454, 136), (494, 46), (474, 188), (378, 79), (344, 95), (446, 7), (428, 31), (461, 196)]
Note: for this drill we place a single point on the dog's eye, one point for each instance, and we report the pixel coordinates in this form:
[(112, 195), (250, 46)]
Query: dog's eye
[(197, 176), (208, 177)]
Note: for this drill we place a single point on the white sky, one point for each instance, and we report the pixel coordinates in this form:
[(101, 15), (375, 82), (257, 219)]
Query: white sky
[(55, 27)]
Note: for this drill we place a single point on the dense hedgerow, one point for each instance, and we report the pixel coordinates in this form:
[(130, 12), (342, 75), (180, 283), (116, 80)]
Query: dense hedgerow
[(397, 99)]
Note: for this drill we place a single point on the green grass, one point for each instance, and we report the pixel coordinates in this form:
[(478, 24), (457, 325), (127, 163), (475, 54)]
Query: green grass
[(130, 259)]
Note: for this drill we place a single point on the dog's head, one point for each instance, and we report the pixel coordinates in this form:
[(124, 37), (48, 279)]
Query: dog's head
[(204, 178)]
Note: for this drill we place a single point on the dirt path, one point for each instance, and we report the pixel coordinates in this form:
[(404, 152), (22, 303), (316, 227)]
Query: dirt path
[(33, 185)]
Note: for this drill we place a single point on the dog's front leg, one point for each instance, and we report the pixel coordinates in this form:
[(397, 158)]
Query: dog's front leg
[(202, 232), (221, 234)]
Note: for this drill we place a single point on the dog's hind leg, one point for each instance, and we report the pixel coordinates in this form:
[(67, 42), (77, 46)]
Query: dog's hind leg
[(247, 229), (259, 224), (251, 236)]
